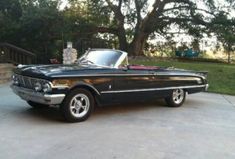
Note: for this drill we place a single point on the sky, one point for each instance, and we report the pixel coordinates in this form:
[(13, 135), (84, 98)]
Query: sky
[(63, 4)]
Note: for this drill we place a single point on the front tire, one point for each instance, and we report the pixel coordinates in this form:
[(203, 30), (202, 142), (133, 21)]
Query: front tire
[(78, 105), (37, 105), (176, 98)]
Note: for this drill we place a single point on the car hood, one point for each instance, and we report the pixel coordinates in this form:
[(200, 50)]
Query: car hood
[(49, 70)]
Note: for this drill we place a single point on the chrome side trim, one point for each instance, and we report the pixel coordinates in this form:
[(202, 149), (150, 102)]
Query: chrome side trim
[(126, 75), (153, 89), (102, 75), (60, 86), (28, 94)]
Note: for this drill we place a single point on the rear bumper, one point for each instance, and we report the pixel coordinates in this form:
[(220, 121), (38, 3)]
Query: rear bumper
[(207, 86), (31, 95)]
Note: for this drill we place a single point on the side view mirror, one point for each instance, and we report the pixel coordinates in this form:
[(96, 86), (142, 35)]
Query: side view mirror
[(125, 67)]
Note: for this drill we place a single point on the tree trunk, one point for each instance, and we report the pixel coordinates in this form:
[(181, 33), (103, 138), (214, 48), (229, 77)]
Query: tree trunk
[(123, 45), (229, 52), (229, 57), (136, 48)]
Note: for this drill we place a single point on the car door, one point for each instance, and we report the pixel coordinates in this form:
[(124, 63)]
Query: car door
[(132, 85)]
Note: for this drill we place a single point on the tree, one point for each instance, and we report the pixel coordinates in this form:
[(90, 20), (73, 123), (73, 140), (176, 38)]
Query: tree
[(41, 25), (224, 28), (35, 25), (133, 21), (10, 13)]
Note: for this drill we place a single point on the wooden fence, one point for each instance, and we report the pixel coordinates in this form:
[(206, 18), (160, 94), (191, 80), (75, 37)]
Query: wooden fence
[(13, 54)]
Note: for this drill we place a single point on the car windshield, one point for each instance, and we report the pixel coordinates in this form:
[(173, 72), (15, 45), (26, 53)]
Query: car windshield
[(106, 58)]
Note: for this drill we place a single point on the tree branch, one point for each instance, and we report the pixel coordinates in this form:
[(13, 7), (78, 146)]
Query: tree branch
[(117, 11), (119, 4), (186, 19), (138, 11), (178, 1), (148, 23), (105, 30), (188, 7), (119, 17)]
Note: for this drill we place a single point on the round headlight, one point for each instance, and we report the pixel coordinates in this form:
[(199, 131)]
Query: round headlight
[(37, 86), (46, 87)]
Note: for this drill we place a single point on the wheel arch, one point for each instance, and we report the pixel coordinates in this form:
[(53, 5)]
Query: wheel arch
[(86, 86)]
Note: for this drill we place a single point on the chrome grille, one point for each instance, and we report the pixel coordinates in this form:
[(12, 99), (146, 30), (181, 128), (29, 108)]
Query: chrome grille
[(25, 81), (21, 81), (28, 82)]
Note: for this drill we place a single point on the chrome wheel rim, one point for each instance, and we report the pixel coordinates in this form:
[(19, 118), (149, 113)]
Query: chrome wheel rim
[(178, 96), (79, 105)]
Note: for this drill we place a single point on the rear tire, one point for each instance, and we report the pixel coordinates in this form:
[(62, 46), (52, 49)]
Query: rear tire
[(176, 98), (37, 105), (77, 105)]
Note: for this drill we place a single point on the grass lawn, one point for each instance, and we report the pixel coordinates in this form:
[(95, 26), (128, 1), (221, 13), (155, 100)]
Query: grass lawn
[(221, 77)]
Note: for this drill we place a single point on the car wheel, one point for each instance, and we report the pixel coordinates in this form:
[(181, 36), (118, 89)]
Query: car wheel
[(176, 98), (37, 105), (77, 105)]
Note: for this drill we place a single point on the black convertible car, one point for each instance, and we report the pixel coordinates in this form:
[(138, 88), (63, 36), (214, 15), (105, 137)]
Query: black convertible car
[(100, 77)]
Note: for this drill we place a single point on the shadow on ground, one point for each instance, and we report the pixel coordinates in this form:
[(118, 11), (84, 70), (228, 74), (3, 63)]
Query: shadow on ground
[(53, 113)]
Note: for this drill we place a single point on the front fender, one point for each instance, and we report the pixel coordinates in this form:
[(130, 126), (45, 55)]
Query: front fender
[(85, 85)]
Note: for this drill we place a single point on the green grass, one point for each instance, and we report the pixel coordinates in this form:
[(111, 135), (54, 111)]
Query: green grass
[(221, 77)]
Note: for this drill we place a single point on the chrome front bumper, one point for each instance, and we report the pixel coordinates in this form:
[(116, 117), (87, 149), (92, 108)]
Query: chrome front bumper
[(31, 95)]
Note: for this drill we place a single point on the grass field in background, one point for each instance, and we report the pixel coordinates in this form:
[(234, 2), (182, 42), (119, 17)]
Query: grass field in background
[(221, 77)]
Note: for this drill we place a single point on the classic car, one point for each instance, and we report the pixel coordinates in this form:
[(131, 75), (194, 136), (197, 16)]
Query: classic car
[(102, 77)]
